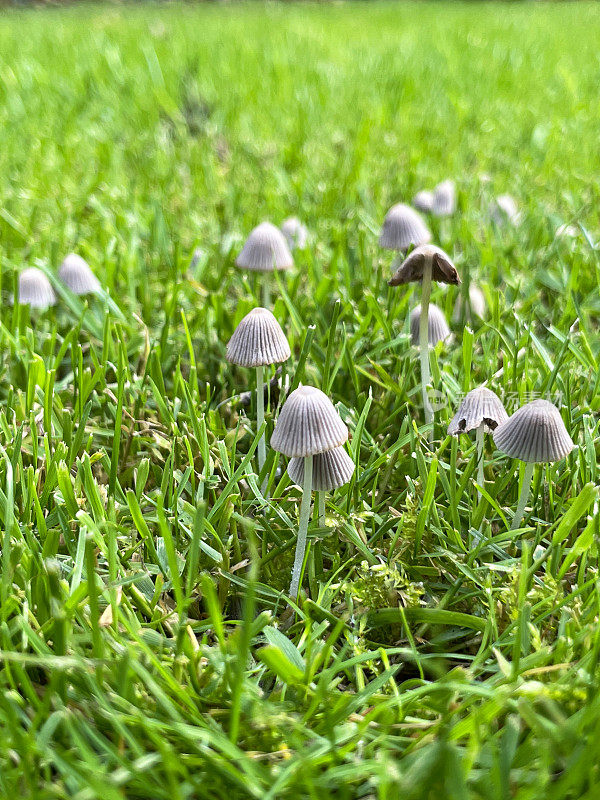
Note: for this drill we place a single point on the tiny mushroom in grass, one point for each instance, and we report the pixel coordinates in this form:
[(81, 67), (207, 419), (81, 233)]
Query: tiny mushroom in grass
[(504, 209), (424, 264), (438, 330), (403, 227), (474, 308), (307, 426), (534, 434), (258, 341), (76, 274), (296, 234), (481, 410), (331, 470), (265, 250), (444, 199), (423, 201), (35, 289)]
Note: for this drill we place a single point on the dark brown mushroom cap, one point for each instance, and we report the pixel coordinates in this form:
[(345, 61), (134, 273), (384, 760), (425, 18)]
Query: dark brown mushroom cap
[(403, 227), (331, 470), (534, 433), (258, 340), (308, 424), (481, 406), (411, 269)]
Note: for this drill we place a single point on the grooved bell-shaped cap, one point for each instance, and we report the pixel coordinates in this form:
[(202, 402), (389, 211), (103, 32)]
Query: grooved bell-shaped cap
[(258, 340), (423, 200), (308, 424), (330, 470), (403, 227), (479, 407), (475, 307), (265, 250), (438, 330), (535, 433), (411, 269), (35, 289), (76, 274), (296, 234), (444, 199)]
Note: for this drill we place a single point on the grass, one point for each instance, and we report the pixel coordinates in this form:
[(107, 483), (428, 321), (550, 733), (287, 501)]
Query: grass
[(147, 649)]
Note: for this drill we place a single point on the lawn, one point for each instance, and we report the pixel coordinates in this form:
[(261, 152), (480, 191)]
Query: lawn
[(148, 646)]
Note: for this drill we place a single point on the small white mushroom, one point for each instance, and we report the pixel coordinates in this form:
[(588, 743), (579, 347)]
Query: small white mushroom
[(444, 199), (504, 209), (475, 307), (423, 201), (403, 227), (35, 289), (76, 274), (265, 250), (437, 331), (296, 234)]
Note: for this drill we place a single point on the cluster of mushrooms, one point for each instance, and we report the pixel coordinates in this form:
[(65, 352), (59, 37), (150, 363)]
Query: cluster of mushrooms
[(35, 290), (309, 430)]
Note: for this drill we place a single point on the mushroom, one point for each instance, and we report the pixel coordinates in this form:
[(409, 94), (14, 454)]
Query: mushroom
[(296, 234), (35, 289), (308, 425), (76, 274), (423, 201), (403, 227), (444, 199), (481, 410), (504, 209), (265, 250), (535, 434), (258, 341), (425, 263), (475, 306), (331, 470), (437, 331)]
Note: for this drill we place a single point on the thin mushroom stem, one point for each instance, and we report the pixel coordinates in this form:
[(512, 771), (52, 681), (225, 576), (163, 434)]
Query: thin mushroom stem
[(260, 416), (321, 504), (424, 340), (266, 290), (480, 473), (302, 527), (524, 496)]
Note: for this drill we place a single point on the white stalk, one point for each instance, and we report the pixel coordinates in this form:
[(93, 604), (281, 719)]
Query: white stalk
[(266, 290), (524, 496), (260, 416), (321, 503), (480, 473), (424, 340), (302, 527)]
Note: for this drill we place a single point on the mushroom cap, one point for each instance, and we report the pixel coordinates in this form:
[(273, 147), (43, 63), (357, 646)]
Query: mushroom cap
[(476, 305), (330, 470), (403, 227), (423, 200), (35, 289), (444, 199), (535, 432), (480, 406), (265, 250), (308, 424), (296, 234), (76, 274), (504, 209), (438, 330), (258, 340), (411, 269)]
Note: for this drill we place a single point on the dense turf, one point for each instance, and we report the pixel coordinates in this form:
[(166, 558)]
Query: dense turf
[(147, 649)]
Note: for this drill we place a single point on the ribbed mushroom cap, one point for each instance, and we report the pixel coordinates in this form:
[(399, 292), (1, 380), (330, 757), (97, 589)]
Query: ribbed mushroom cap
[(423, 200), (330, 470), (296, 234), (411, 269), (402, 227), (258, 340), (308, 424), (444, 199), (535, 432), (476, 305), (505, 209), (481, 406), (265, 250), (438, 329), (76, 274), (35, 289)]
